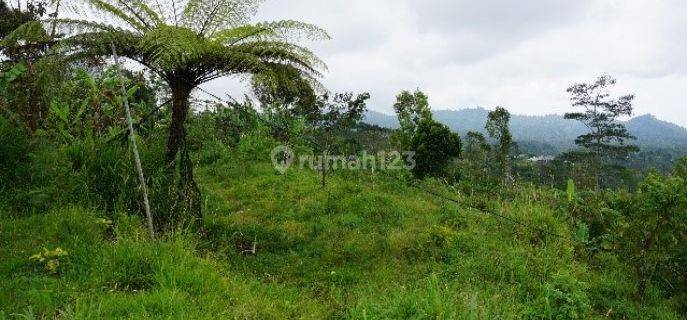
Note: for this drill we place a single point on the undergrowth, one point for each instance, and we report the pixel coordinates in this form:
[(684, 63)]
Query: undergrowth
[(281, 246)]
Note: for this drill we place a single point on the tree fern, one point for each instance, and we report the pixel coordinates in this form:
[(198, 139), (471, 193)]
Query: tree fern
[(188, 43)]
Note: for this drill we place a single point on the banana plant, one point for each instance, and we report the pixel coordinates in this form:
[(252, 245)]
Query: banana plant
[(93, 114), (6, 77)]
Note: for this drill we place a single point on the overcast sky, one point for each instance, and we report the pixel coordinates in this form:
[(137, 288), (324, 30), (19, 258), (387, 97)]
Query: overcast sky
[(518, 54)]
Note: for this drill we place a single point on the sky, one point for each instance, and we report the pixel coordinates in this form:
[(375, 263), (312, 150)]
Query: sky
[(519, 54)]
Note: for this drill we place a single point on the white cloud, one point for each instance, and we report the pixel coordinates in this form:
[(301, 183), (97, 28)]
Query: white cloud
[(519, 54)]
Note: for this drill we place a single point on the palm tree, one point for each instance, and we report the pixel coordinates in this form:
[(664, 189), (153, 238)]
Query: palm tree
[(187, 43)]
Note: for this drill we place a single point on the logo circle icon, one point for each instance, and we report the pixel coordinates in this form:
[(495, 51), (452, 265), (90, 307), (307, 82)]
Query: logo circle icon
[(282, 158)]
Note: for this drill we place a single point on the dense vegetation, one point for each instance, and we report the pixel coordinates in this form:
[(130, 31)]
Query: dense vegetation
[(467, 228)]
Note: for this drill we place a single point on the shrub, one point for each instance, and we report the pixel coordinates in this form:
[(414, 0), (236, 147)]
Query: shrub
[(563, 297), (435, 145), (212, 152), (14, 148), (257, 145)]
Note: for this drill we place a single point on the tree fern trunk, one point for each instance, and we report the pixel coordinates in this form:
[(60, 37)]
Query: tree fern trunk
[(187, 208), (181, 92)]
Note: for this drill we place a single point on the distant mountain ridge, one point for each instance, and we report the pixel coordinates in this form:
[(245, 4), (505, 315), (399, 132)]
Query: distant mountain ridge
[(554, 131)]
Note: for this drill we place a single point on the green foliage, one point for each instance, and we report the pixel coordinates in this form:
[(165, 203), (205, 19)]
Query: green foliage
[(562, 298), (284, 125), (476, 166), (188, 44), (657, 225), (14, 151), (599, 219), (276, 246), (226, 123), (272, 248), (570, 190), (11, 19), (411, 109), (6, 77), (607, 137), (31, 32), (89, 106), (127, 277), (257, 145), (434, 146), (21, 34), (27, 88), (680, 169), (50, 259), (207, 40), (284, 87), (498, 128)]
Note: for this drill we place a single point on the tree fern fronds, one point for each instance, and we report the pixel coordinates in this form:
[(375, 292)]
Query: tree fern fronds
[(30, 32), (199, 41), (243, 33), (114, 11), (128, 5), (154, 17), (286, 30), (143, 12), (208, 16), (220, 64), (286, 51), (72, 26), (295, 30)]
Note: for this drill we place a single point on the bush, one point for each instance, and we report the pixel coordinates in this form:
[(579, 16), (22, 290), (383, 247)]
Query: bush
[(564, 297), (257, 145), (435, 145), (214, 150), (14, 148)]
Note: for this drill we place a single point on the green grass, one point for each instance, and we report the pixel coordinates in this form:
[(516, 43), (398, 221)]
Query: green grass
[(362, 248)]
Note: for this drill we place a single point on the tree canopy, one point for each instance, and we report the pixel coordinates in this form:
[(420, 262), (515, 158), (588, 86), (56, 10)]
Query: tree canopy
[(601, 113)]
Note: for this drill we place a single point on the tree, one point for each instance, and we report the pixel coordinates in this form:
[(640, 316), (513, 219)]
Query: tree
[(498, 128), (411, 109), (188, 43), (476, 146), (285, 89), (477, 151), (25, 41), (657, 227), (434, 145), (607, 137), (336, 114)]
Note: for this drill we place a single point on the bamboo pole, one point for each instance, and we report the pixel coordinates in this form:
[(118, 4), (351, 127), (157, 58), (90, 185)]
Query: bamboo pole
[(137, 158)]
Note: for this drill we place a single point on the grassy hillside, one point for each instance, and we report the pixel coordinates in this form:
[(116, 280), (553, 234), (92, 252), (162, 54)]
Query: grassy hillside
[(280, 246)]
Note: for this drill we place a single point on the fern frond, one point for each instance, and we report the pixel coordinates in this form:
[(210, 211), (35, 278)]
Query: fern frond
[(209, 16), (286, 30), (243, 33), (292, 30), (200, 40), (72, 26), (277, 51), (30, 32), (154, 17), (117, 12)]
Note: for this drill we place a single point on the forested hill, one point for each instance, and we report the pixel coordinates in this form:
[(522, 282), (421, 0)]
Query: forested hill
[(552, 130)]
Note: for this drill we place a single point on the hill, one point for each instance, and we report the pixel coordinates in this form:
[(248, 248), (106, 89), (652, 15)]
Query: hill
[(551, 132)]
